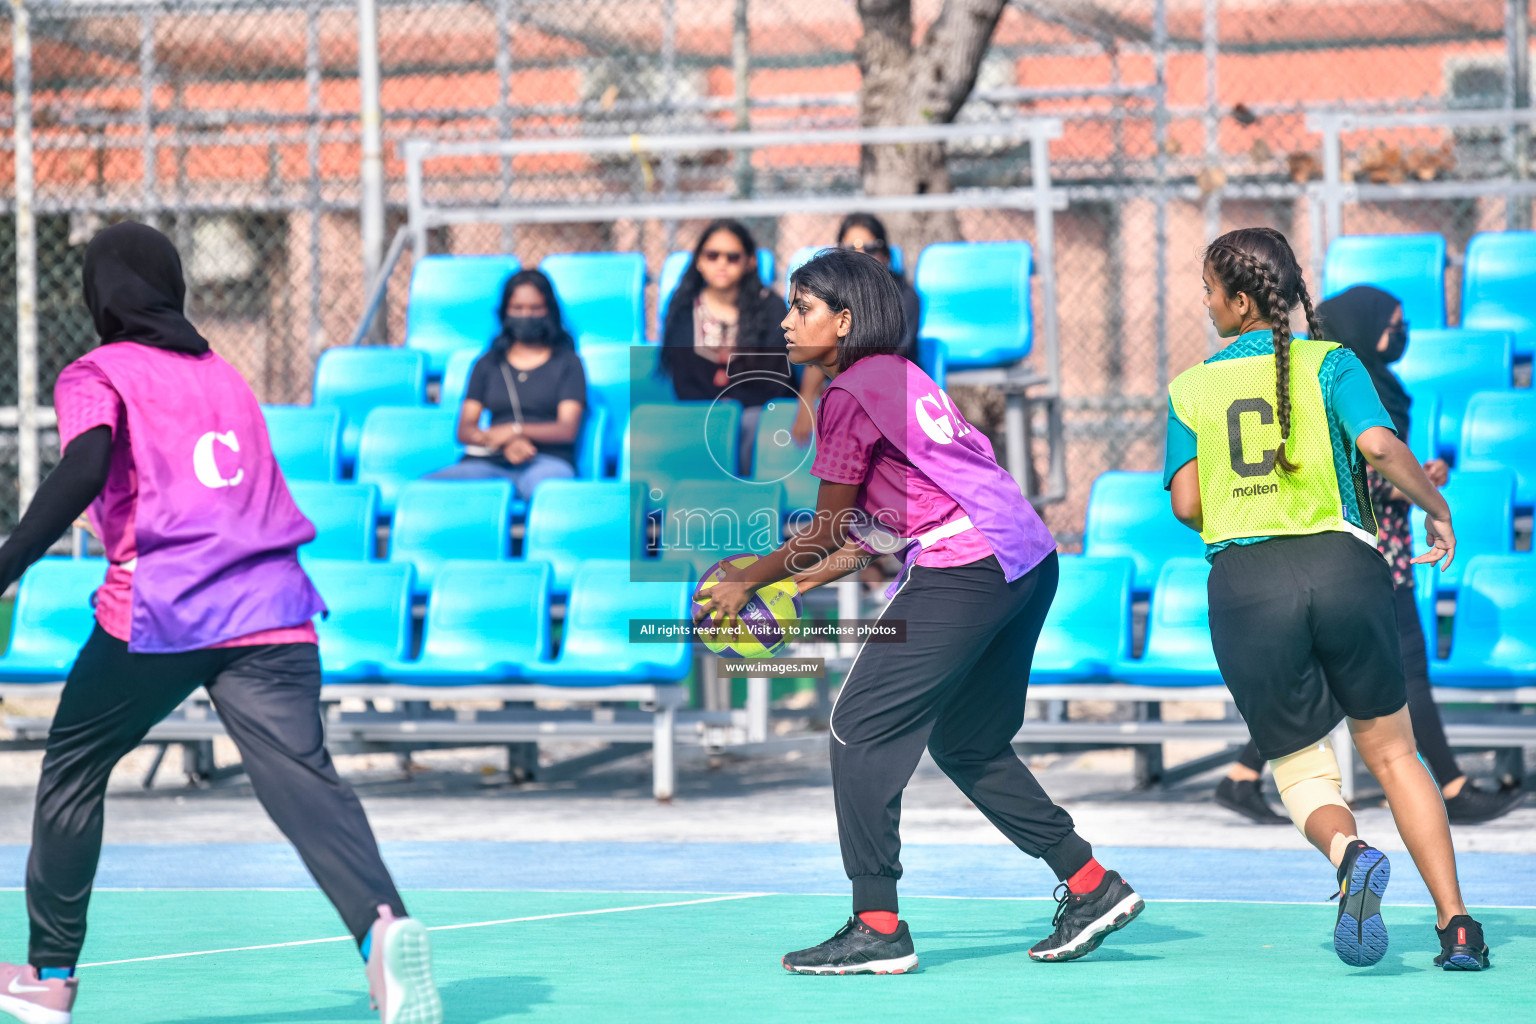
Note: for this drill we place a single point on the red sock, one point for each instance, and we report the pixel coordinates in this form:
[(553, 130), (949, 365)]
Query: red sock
[(1087, 877), (882, 921)]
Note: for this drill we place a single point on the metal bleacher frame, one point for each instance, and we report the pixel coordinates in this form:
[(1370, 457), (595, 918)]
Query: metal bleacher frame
[(1327, 198), (663, 718)]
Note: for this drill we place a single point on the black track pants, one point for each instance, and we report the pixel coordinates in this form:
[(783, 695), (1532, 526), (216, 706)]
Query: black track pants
[(268, 698), (1428, 730), (957, 687)]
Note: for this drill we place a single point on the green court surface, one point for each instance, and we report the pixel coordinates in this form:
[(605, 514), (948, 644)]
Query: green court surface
[(583, 957)]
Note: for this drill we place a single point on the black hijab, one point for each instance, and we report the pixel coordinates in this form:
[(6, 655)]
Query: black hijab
[(135, 292), (1355, 318)]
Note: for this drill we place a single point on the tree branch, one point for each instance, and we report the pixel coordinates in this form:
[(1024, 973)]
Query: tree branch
[(945, 66)]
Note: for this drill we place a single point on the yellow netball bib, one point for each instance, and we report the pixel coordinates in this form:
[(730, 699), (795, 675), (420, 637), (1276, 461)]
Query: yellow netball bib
[(1229, 404)]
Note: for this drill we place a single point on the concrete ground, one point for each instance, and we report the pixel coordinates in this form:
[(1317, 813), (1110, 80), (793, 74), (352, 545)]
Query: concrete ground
[(776, 792)]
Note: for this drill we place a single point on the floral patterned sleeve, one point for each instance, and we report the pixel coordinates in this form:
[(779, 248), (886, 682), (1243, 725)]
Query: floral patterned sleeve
[(1394, 536)]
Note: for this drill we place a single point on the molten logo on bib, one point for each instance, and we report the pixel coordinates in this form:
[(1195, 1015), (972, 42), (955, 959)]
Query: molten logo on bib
[(938, 418)]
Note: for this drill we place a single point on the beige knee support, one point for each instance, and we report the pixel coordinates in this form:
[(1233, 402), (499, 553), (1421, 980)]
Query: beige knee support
[(1309, 779)]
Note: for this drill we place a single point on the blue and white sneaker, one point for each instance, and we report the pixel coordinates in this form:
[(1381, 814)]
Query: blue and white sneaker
[(1461, 946), (1360, 936)]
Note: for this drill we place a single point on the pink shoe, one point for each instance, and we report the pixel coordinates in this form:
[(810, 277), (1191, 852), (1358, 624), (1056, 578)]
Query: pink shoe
[(33, 1001), (399, 972)]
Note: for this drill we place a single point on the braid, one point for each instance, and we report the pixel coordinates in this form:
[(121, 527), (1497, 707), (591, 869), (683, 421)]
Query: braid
[(1314, 325), (1243, 271)]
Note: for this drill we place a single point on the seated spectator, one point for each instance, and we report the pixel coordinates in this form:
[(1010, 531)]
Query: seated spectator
[(532, 383), (722, 336), (864, 232)]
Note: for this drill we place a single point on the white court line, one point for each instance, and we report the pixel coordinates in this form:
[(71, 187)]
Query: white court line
[(437, 928)]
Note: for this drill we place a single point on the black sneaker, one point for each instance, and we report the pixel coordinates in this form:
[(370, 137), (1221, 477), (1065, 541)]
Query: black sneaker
[(1083, 919), (1461, 946), (857, 949), (1360, 935), (1245, 797), (1472, 806)]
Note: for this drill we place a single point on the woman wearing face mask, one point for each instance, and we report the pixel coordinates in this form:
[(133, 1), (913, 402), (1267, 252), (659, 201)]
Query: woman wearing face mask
[(864, 233), (1369, 322), (721, 338), (533, 384)]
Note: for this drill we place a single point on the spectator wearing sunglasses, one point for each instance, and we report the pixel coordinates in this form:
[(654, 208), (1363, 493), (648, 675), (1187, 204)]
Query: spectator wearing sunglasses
[(722, 337), (864, 232)]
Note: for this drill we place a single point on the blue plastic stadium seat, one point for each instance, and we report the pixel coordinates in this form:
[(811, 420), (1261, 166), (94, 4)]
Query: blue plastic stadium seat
[(306, 440), (681, 441), (369, 625), (933, 357), (602, 295), (623, 377), (1424, 427), (405, 443), (358, 379), (1088, 628), (591, 444), (1492, 642), (452, 305), (1499, 286), (976, 301), (1178, 648), (450, 393), (596, 649), (1129, 516), (1482, 514), (1455, 364), (1500, 432), (676, 264), (776, 457), (1425, 598), (704, 521), (574, 521), (487, 622), (1412, 267), (52, 620), (438, 520), (344, 516)]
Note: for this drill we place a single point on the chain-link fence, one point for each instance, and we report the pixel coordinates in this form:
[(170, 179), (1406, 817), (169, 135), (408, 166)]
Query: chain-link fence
[(235, 127)]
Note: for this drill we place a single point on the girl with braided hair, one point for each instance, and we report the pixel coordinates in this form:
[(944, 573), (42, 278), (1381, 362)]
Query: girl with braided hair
[(1268, 442)]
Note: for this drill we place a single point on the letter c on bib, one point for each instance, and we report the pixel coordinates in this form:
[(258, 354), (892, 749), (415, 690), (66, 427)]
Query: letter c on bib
[(205, 468)]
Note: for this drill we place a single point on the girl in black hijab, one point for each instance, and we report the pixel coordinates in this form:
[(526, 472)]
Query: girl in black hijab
[(1369, 322), (135, 291)]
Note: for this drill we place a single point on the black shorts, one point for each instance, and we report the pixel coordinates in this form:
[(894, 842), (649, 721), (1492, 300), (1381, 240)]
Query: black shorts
[(1305, 632)]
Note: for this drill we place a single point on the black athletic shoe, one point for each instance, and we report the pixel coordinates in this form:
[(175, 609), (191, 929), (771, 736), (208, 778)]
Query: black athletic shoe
[(1360, 935), (1461, 946), (1083, 919), (1245, 797), (1472, 805), (857, 949)]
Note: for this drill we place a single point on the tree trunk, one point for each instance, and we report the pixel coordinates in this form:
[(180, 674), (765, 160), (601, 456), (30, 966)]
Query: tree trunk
[(927, 83)]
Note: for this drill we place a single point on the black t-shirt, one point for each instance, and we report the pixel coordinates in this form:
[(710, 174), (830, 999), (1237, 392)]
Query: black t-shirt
[(540, 390), (759, 372)]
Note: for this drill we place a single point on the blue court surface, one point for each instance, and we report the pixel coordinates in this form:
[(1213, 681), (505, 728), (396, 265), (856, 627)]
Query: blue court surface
[(236, 934)]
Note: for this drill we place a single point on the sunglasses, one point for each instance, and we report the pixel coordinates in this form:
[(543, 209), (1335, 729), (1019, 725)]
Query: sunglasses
[(711, 255), (872, 247)]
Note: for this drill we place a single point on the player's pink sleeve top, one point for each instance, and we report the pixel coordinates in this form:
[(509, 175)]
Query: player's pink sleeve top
[(85, 398), (851, 450)]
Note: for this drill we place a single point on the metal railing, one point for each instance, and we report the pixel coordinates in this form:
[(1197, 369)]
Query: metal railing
[(1024, 388), (1330, 195)]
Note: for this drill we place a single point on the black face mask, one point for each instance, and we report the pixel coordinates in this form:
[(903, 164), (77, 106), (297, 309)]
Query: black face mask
[(1397, 342), (535, 329)]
